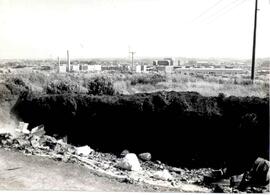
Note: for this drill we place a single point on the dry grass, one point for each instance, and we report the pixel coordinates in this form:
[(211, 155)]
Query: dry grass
[(205, 84)]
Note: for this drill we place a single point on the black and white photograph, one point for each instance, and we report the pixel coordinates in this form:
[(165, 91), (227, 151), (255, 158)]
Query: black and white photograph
[(134, 96)]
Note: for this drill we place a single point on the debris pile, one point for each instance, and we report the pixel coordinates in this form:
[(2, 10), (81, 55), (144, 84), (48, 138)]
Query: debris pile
[(125, 168)]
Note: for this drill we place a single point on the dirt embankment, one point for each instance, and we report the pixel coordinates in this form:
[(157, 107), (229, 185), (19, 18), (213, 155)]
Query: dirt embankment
[(180, 128)]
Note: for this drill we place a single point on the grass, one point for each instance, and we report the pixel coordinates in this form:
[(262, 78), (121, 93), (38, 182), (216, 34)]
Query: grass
[(130, 83)]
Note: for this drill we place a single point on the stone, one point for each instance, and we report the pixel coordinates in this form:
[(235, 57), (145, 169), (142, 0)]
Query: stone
[(84, 150), (22, 142), (235, 180), (22, 127), (163, 175), (38, 131), (130, 162), (177, 170), (34, 141), (48, 141), (145, 156), (124, 153)]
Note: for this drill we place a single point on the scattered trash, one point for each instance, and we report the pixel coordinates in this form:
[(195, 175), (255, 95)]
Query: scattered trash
[(84, 150), (35, 142), (163, 175), (130, 162), (145, 156)]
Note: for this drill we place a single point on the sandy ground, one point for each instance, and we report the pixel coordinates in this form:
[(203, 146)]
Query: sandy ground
[(21, 172)]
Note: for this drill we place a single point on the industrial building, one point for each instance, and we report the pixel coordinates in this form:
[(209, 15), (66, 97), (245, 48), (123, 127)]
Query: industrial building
[(63, 68)]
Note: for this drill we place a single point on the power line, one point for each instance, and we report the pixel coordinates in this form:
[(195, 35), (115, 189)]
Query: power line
[(227, 11), (216, 13), (207, 10)]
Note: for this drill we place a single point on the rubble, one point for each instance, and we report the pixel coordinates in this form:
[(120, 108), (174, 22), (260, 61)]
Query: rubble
[(163, 175), (84, 150), (22, 128), (145, 156), (130, 162), (38, 131), (129, 168)]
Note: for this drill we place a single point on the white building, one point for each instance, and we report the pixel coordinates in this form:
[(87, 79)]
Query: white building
[(75, 68), (90, 68), (62, 68), (141, 68)]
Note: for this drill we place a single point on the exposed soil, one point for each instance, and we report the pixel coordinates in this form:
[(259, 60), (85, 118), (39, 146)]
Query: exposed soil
[(33, 172)]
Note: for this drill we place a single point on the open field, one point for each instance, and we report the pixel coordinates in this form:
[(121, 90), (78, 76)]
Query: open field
[(131, 83)]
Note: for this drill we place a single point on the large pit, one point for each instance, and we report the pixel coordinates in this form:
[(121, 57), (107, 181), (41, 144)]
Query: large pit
[(180, 128)]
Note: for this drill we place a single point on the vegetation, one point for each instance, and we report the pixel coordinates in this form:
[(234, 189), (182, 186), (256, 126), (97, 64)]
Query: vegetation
[(61, 87), (100, 86), (147, 79), (131, 83)]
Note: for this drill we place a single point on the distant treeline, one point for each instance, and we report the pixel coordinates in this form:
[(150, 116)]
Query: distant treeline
[(180, 128)]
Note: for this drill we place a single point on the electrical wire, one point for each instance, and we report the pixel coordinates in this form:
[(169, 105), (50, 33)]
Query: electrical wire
[(223, 11), (227, 11), (207, 10)]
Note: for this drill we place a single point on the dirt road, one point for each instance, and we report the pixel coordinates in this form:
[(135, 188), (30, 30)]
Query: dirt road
[(21, 172)]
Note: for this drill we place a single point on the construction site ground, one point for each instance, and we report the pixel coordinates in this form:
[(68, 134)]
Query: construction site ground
[(29, 172)]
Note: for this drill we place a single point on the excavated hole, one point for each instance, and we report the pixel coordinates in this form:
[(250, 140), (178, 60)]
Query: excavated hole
[(179, 128)]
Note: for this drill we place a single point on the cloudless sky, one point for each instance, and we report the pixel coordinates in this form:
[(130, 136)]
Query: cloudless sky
[(152, 28)]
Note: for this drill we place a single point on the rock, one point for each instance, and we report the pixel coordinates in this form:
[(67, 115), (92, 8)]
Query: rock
[(84, 150), (124, 153), (130, 162), (145, 156), (58, 149), (163, 175), (35, 141), (23, 142), (38, 131), (177, 170), (235, 180), (22, 128), (48, 141)]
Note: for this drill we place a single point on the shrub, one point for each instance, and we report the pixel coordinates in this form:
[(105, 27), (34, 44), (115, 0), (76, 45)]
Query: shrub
[(100, 86), (16, 86), (146, 79), (60, 87)]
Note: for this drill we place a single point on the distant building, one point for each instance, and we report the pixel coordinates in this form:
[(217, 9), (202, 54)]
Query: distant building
[(75, 68), (166, 69), (162, 63), (90, 68), (62, 68), (141, 68)]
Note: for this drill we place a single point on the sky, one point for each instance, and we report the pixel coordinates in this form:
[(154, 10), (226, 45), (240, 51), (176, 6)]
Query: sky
[(151, 28)]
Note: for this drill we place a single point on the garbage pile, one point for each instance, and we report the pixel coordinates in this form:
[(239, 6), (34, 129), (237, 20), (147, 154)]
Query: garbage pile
[(128, 167)]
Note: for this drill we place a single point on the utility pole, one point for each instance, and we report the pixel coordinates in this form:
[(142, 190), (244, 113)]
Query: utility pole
[(254, 42), (68, 61), (132, 57)]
